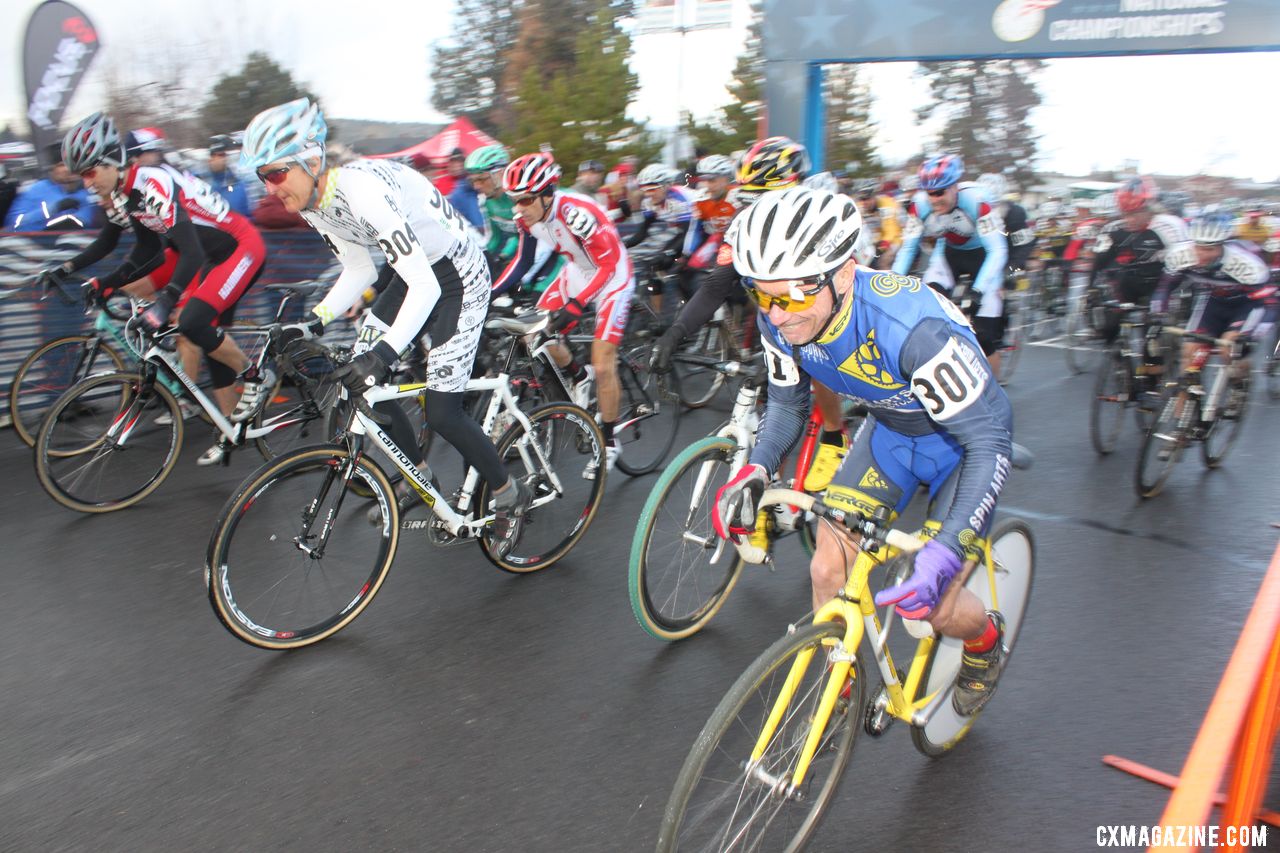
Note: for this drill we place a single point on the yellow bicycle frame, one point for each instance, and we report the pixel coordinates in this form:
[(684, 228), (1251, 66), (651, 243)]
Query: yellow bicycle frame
[(903, 703)]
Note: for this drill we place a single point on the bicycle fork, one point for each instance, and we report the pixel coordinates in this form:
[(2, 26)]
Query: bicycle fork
[(345, 471)]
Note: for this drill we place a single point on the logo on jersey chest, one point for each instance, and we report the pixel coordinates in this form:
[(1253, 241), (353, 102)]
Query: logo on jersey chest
[(866, 363), (956, 227)]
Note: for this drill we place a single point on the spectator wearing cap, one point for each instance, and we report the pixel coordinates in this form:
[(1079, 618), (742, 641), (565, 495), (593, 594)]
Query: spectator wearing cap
[(455, 172), (223, 178), (58, 202), (589, 182)]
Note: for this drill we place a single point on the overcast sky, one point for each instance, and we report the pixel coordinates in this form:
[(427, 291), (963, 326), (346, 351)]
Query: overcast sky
[(1173, 114)]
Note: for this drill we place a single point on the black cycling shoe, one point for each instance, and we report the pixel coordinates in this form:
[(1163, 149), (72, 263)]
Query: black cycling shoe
[(405, 498), (978, 673), (508, 520)]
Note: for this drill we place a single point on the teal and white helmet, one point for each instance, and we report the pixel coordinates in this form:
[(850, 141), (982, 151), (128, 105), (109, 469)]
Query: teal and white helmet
[(292, 131), (490, 158)]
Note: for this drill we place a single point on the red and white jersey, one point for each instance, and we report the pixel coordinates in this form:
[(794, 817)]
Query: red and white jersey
[(577, 228), (151, 195)]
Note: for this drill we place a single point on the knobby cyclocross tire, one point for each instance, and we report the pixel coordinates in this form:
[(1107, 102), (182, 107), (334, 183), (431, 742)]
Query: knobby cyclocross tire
[(266, 511), (691, 821), (571, 440), (73, 453), (60, 358), (1222, 433), (648, 414), (1111, 391), (666, 598), (699, 384), (1013, 548)]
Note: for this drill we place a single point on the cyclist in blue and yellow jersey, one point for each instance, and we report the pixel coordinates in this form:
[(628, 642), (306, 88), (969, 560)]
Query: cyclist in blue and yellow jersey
[(970, 240), (941, 420)]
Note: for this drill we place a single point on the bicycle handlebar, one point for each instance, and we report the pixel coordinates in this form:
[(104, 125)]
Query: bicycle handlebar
[(855, 522), (1196, 336)]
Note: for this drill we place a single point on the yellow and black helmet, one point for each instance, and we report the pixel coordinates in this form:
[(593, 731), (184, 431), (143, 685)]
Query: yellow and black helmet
[(775, 163)]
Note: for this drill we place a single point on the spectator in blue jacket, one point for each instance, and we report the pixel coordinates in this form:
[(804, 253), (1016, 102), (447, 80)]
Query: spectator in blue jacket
[(60, 201), (223, 178), (463, 196)]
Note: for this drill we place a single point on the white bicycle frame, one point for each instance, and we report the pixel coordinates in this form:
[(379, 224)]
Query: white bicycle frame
[(457, 523), (741, 430)]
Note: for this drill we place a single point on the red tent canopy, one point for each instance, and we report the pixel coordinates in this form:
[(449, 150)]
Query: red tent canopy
[(461, 134)]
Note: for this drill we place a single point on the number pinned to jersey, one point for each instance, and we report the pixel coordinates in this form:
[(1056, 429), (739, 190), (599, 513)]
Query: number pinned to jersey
[(951, 381), (782, 367), (580, 223), (989, 224)]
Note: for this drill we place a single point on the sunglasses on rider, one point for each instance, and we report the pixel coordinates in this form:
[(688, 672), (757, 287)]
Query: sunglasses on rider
[(798, 299), (936, 193), (275, 177), (90, 173)]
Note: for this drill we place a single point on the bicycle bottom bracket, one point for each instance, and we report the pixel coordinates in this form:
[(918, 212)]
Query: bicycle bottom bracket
[(877, 719)]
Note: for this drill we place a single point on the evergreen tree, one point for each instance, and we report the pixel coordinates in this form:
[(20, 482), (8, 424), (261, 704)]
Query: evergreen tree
[(986, 106), (236, 98), (469, 71), (849, 128), (579, 109)]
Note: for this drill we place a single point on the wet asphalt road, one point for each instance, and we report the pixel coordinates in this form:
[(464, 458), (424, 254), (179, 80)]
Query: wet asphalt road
[(471, 710)]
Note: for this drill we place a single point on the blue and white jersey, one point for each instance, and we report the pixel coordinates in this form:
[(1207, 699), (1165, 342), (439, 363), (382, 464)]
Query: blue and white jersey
[(907, 354), (974, 224)]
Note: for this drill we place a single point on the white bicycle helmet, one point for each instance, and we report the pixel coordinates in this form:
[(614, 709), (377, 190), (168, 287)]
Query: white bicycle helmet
[(794, 234), (294, 131), (716, 166), (655, 174), (93, 140), (1212, 227), (823, 181)]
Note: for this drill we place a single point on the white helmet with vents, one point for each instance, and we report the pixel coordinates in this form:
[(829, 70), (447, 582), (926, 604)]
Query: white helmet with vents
[(794, 234)]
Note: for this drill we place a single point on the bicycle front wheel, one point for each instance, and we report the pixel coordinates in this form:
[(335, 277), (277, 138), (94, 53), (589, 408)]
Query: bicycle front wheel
[(1008, 590), (552, 458), (1163, 445), (293, 558), (100, 448), (1111, 393), (648, 414), (722, 800), (1225, 429), (48, 372), (675, 586), (698, 382)]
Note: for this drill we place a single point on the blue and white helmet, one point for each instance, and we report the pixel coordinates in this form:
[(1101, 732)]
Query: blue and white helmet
[(1212, 227), (293, 131)]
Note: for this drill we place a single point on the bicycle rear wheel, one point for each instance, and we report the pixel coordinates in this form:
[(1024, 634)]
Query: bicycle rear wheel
[(1163, 445), (293, 558), (648, 414), (1013, 343), (569, 440), (100, 448), (49, 371), (722, 801), (675, 587), (1013, 552), (1080, 346), (1111, 394)]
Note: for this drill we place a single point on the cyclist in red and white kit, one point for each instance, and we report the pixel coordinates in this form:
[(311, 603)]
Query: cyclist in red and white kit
[(199, 253), (598, 273)]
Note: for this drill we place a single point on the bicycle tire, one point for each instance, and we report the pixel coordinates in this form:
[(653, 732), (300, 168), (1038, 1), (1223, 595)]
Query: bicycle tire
[(256, 492), (1106, 416), (648, 414), (1012, 351), (643, 581), (1214, 448), (26, 426), (63, 457), (1016, 559), (1166, 433), (585, 445), (728, 721), (710, 341)]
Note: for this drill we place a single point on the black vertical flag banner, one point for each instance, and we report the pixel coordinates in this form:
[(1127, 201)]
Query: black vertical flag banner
[(60, 44)]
